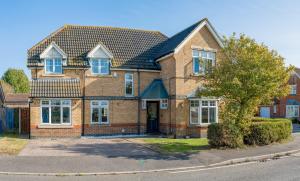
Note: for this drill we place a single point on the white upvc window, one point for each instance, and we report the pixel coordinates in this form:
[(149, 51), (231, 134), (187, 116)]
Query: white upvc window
[(164, 104), (129, 90), (53, 66), (203, 61), (100, 66), (274, 109), (144, 104), (293, 89), (203, 112), (56, 112), (292, 111), (99, 112)]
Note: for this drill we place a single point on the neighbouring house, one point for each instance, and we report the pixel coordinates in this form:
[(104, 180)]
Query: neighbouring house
[(286, 107), (93, 80), (14, 110)]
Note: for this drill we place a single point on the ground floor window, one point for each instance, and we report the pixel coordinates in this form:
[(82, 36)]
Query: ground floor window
[(56, 111), (99, 112), (292, 111), (203, 111)]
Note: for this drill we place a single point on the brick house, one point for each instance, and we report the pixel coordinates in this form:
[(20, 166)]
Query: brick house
[(90, 80), (286, 107)]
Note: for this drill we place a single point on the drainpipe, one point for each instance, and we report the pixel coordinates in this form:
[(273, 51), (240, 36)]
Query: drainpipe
[(19, 121), (30, 101), (83, 105), (139, 102)]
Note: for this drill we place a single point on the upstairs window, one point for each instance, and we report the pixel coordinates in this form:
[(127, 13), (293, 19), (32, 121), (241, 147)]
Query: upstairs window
[(203, 61), (100, 66), (293, 90), (53, 66), (128, 84)]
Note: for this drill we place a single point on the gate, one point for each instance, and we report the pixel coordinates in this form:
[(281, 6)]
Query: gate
[(25, 121)]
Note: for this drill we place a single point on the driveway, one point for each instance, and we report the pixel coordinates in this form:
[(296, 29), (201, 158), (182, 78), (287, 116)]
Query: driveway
[(85, 147)]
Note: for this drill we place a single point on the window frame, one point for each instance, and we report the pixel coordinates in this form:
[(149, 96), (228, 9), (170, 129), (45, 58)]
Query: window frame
[(99, 106), (293, 89), (61, 106), (295, 107), (199, 110), (164, 105), (132, 84), (99, 60), (199, 57), (53, 60)]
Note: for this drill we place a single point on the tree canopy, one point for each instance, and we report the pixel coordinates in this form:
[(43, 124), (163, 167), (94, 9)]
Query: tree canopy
[(248, 75), (17, 79)]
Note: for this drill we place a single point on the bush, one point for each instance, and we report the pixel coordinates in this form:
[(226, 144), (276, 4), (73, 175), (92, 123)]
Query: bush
[(224, 135), (264, 131)]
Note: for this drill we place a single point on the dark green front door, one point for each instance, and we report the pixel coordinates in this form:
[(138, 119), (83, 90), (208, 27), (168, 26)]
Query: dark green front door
[(152, 117)]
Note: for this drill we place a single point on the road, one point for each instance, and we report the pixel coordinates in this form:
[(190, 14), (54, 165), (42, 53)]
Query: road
[(274, 170)]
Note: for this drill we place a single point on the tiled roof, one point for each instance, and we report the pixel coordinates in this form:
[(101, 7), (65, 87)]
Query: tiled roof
[(17, 100), (156, 90), (131, 48), (55, 88), (170, 45)]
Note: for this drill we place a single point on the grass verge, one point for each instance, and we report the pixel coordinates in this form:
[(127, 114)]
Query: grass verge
[(11, 144), (169, 145)]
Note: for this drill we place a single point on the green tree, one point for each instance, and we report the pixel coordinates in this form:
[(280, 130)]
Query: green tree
[(247, 75), (17, 79)]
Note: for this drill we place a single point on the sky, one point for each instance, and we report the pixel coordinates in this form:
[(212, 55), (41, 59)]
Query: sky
[(23, 23)]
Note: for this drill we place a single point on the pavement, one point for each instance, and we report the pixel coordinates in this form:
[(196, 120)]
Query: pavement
[(284, 169), (112, 156)]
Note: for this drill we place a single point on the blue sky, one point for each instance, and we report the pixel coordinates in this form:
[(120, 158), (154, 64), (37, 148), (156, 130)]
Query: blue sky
[(24, 23)]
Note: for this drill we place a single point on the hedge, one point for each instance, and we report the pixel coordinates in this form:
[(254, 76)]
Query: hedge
[(264, 131), (223, 135)]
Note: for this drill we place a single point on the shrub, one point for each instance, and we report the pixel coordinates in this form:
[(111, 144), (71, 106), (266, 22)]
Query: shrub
[(224, 135), (264, 131)]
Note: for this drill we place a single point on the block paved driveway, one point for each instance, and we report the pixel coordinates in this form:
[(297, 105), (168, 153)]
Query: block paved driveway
[(118, 147)]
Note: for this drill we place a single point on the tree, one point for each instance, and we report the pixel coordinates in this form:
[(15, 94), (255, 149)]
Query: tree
[(17, 79), (247, 75)]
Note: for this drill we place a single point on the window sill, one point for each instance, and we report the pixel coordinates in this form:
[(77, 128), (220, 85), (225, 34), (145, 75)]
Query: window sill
[(55, 126), (100, 124), (100, 76), (199, 125), (53, 75)]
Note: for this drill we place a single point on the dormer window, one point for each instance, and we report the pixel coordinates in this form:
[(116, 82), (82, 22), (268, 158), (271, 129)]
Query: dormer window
[(100, 58), (100, 66), (203, 61), (54, 58), (53, 66)]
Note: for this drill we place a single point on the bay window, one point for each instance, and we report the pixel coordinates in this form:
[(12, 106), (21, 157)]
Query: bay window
[(99, 112), (203, 111), (53, 66), (56, 111), (203, 61), (100, 66)]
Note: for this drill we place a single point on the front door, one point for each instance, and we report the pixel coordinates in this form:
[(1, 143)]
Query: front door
[(152, 117)]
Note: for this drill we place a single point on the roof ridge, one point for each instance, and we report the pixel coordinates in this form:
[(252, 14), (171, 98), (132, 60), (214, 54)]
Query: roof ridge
[(112, 27)]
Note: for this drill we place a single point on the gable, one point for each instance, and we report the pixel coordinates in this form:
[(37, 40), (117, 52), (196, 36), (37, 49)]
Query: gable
[(100, 51), (53, 51)]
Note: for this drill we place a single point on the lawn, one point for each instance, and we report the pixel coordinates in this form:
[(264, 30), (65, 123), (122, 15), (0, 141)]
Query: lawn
[(169, 145), (11, 144)]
